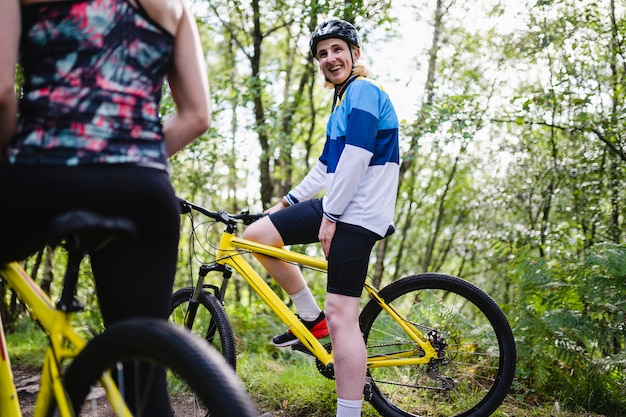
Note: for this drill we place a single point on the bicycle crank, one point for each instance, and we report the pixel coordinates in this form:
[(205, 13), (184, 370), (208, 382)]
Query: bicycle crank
[(327, 370)]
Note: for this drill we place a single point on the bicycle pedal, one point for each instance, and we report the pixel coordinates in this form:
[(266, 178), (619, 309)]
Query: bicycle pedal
[(299, 347)]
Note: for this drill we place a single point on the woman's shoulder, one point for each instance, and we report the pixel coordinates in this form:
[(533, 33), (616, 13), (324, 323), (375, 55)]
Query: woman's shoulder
[(167, 13)]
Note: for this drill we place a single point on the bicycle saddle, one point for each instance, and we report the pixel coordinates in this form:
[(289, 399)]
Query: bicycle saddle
[(88, 230)]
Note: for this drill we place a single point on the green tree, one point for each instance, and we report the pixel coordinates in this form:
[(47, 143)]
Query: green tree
[(569, 126)]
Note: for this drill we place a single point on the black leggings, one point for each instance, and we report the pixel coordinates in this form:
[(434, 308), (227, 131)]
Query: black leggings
[(132, 279)]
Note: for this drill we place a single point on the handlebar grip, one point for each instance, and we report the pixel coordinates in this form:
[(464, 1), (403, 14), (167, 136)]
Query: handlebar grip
[(248, 219), (245, 217), (185, 207)]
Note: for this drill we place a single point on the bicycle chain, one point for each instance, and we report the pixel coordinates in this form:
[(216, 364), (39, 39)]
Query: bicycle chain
[(386, 345), (440, 344), (411, 385), (329, 373)]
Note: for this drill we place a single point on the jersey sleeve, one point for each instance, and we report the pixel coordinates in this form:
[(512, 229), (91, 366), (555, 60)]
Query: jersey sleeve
[(311, 184)]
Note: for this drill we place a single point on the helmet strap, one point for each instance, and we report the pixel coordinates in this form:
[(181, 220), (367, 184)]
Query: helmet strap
[(340, 89)]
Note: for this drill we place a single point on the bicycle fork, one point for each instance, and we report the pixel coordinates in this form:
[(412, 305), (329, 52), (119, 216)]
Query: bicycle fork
[(194, 302)]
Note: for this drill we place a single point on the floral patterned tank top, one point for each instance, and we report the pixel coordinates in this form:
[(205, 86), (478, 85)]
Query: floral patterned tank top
[(94, 72)]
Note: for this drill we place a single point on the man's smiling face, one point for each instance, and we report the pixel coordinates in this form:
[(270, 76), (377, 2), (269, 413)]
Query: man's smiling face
[(335, 58)]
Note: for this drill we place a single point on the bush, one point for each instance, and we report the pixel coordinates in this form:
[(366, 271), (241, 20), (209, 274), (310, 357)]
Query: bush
[(569, 322)]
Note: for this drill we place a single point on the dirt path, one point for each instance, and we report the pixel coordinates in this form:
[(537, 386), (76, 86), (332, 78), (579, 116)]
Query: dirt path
[(27, 385)]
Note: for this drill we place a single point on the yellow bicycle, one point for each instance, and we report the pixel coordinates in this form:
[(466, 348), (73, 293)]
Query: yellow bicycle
[(75, 370), (437, 345)]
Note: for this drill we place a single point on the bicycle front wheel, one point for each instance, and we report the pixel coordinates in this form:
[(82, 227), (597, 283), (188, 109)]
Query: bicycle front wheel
[(207, 319), (161, 370), (476, 362)]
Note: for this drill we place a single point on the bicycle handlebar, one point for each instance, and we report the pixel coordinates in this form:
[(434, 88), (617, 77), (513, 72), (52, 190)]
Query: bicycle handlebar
[(229, 219)]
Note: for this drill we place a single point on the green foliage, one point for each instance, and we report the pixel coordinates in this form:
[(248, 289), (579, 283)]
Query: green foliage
[(570, 328), (88, 321), (27, 343), (295, 388)]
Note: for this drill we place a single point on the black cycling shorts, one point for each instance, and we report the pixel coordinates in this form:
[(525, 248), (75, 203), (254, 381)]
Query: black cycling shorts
[(32, 195), (350, 249)]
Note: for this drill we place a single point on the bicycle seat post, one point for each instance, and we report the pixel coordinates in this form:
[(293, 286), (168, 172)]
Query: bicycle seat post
[(84, 232), (75, 255)]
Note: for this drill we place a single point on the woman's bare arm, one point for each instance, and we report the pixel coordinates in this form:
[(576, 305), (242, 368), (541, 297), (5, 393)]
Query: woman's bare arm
[(10, 22), (189, 84)]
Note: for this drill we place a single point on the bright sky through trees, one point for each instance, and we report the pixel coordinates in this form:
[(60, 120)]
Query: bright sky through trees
[(400, 64)]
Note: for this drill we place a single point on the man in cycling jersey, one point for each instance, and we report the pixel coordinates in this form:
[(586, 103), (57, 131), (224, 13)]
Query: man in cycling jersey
[(358, 169)]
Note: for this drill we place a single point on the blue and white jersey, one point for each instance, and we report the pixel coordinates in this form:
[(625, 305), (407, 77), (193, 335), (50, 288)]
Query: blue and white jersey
[(360, 163)]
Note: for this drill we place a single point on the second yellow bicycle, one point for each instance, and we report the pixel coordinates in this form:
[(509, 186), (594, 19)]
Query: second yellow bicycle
[(437, 345)]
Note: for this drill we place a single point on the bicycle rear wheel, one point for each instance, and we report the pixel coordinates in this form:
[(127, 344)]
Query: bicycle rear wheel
[(138, 353), (207, 319), (476, 363)]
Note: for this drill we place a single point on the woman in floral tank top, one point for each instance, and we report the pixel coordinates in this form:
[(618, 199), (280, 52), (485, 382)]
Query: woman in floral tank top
[(86, 133)]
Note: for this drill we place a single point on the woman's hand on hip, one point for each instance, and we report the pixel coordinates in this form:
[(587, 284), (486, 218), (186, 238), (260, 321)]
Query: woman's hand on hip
[(326, 234)]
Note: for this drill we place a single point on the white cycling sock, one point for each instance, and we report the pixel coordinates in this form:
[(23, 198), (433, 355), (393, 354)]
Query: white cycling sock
[(349, 408), (306, 305)]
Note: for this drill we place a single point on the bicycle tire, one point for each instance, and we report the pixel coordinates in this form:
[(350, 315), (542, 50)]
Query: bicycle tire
[(210, 321), (478, 363), (214, 388)]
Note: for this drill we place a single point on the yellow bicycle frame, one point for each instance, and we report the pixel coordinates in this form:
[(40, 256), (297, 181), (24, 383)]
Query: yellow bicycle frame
[(229, 253), (65, 343)]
